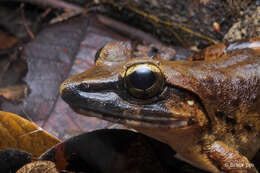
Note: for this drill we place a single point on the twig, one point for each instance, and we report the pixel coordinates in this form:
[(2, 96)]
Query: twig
[(166, 23), (68, 14), (53, 3), (27, 28), (65, 16), (156, 19), (126, 29), (46, 12)]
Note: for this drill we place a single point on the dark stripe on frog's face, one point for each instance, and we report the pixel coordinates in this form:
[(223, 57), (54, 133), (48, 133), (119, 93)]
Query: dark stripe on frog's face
[(102, 90)]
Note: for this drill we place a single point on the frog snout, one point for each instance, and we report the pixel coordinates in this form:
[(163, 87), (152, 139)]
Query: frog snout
[(68, 91), (63, 87)]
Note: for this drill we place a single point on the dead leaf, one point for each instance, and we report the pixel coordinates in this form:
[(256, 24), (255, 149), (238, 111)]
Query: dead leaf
[(39, 167), (14, 93), (6, 41), (19, 133)]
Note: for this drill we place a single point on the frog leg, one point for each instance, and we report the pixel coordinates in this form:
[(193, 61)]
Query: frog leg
[(229, 159)]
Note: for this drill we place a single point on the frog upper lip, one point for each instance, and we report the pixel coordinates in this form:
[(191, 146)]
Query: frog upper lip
[(147, 121)]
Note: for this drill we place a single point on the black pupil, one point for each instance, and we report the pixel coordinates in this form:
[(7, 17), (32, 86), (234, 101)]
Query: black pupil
[(142, 78)]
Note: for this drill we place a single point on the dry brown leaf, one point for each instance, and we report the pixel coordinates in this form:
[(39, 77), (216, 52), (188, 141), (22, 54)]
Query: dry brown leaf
[(39, 167), (17, 132), (14, 92), (7, 41)]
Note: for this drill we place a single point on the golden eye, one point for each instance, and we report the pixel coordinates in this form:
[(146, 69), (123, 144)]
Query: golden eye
[(143, 80)]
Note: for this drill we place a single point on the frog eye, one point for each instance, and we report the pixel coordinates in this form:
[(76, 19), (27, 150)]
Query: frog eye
[(143, 80)]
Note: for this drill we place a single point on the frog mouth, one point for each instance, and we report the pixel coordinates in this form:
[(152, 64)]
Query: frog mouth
[(133, 121)]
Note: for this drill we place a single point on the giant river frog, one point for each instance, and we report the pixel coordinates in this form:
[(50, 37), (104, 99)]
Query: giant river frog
[(207, 108)]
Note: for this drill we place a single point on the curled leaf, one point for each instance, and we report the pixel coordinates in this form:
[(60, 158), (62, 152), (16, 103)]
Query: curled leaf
[(19, 133)]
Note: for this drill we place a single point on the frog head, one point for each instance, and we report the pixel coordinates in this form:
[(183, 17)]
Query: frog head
[(138, 92)]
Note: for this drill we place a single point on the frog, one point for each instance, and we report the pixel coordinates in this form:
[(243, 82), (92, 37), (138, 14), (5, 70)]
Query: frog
[(206, 108)]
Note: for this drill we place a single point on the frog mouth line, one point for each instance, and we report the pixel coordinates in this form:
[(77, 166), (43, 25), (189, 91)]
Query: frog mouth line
[(87, 103), (134, 122)]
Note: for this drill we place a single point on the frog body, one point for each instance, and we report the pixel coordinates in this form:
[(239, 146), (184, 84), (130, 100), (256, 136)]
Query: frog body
[(206, 108)]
